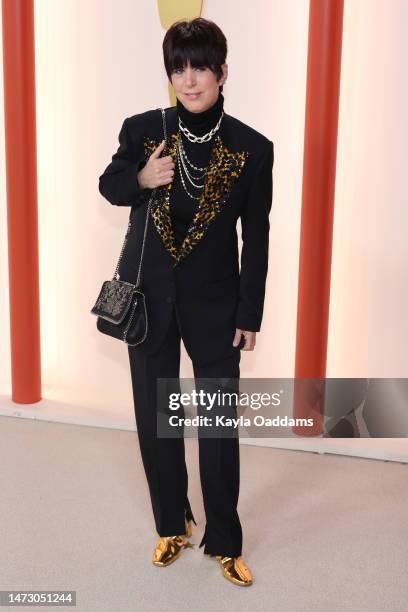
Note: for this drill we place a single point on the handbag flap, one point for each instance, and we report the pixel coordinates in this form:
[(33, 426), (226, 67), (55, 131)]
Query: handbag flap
[(114, 300)]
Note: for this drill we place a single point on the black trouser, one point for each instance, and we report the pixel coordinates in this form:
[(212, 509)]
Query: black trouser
[(164, 458)]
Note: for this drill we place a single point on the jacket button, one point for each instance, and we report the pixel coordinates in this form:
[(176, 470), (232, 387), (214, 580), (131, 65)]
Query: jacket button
[(169, 299)]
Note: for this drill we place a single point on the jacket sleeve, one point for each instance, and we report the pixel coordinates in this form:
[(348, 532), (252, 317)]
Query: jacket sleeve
[(119, 184), (255, 245)]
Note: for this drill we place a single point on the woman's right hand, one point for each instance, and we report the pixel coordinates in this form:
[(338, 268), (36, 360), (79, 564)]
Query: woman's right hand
[(157, 171)]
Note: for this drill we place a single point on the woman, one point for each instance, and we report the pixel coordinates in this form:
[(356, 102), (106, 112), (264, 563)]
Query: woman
[(215, 170)]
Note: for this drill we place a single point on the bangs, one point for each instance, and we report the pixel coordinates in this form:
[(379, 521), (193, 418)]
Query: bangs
[(199, 55)]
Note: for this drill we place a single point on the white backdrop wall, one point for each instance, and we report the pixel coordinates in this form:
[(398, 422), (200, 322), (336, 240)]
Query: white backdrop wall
[(99, 61), (369, 297)]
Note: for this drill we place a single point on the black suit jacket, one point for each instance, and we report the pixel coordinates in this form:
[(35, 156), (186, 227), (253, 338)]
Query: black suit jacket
[(213, 296)]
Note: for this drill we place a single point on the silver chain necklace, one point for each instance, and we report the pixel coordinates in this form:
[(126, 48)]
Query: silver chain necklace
[(206, 137), (183, 160), (184, 185), (184, 156)]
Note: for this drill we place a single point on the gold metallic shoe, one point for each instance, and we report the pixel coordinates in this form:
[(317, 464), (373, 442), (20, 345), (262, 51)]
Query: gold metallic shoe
[(168, 548), (235, 570)]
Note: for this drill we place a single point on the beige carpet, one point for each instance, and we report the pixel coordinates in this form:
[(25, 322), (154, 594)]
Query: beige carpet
[(322, 533)]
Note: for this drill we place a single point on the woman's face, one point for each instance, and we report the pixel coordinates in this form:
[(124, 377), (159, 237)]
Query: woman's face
[(201, 81)]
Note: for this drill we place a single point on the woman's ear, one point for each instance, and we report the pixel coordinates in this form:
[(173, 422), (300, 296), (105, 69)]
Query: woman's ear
[(224, 68)]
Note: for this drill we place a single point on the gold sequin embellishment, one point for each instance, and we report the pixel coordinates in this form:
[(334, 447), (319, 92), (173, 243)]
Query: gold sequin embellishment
[(224, 168)]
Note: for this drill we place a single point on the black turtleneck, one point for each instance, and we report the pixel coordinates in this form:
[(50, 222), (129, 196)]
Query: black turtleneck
[(182, 207), (204, 121)]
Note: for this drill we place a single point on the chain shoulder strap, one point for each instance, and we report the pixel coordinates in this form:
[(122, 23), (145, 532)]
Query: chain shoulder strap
[(139, 272)]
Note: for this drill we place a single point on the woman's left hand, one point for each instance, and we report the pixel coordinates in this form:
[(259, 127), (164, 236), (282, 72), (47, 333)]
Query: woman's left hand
[(250, 339)]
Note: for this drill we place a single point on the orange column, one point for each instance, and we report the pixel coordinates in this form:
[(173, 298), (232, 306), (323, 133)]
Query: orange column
[(319, 173), (22, 223)]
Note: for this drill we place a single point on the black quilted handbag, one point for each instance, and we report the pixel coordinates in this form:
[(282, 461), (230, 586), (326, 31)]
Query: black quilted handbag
[(121, 306)]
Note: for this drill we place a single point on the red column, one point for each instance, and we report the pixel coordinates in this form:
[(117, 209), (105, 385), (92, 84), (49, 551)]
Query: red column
[(319, 173), (22, 223)]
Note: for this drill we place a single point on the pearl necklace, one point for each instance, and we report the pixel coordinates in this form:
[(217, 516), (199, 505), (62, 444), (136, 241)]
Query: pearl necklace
[(181, 164)]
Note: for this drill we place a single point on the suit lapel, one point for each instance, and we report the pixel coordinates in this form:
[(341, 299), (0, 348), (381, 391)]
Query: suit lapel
[(224, 168), (160, 208)]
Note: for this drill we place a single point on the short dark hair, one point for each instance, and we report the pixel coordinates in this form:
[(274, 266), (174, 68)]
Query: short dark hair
[(199, 40)]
